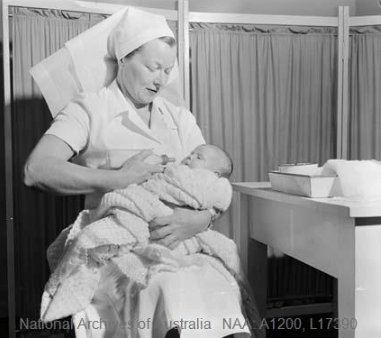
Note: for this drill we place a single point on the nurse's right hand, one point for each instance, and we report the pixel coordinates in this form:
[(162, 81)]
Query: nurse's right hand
[(139, 171)]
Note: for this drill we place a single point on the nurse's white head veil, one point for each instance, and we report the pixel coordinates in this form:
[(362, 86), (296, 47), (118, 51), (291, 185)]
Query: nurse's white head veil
[(89, 61)]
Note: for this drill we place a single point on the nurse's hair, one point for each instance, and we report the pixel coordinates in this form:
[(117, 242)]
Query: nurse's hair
[(169, 40)]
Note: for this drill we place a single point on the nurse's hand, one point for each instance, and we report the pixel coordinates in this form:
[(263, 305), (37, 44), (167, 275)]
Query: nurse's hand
[(182, 224), (138, 171)]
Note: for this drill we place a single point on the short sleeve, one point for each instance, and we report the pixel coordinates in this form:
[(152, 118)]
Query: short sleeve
[(72, 125)]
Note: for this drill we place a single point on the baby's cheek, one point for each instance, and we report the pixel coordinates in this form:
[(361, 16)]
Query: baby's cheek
[(192, 164)]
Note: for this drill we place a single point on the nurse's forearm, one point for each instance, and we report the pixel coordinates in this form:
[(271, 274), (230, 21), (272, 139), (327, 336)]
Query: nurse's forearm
[(62, 177)]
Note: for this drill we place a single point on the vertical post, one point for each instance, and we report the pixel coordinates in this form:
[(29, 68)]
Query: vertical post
[(339, 82), (345, 106), (8, 170), (342, 82), (183, 40)]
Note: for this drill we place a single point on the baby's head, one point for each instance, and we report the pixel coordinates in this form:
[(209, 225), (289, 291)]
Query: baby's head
[(212, 158)]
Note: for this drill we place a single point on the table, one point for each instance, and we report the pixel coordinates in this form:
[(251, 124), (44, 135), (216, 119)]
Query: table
[(341, 238)]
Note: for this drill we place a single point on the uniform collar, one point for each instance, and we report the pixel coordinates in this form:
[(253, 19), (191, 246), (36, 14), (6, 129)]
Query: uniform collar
[(118, 101), (131, 118)]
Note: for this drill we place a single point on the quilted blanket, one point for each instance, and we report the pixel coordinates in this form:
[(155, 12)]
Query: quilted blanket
[(117, 233)]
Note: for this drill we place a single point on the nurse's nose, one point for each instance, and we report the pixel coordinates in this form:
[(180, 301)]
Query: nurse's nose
[(160, 80)]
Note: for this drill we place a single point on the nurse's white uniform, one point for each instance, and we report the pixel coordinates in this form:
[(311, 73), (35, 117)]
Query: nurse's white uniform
[(104, 130)]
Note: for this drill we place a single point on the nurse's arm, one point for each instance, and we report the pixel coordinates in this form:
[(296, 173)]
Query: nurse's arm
[(182, 224), (48, 168)]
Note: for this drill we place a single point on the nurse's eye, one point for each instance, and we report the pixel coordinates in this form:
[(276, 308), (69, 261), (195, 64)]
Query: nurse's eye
[(152, 68), (198, 157)]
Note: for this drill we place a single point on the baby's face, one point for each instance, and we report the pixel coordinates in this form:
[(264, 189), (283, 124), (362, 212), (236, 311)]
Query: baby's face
[(204, 157)]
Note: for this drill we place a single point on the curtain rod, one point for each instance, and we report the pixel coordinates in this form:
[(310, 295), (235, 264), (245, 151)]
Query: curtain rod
[(10, 15), (170, 14)]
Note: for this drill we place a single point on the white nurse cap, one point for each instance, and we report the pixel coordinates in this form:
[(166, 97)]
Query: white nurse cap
[(88, 62), (134, 30)]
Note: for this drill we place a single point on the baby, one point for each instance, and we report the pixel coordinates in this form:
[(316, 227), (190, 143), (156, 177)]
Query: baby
[(211, 158)]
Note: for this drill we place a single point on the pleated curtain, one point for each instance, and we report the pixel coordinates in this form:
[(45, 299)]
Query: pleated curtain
[(38, 216), (267, 95), (276, 90), (364, 137)]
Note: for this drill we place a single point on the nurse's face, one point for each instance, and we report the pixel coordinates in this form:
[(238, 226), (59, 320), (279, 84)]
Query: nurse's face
[(142, 75)]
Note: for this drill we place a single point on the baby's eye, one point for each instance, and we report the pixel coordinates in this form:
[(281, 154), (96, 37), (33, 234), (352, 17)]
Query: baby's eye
[(168, 70)]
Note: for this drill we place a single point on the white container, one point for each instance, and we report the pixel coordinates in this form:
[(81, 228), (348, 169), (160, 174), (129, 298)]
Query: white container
[(303, 185), (299, 168)]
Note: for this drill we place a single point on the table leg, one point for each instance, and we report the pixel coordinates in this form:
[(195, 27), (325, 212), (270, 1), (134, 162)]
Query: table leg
[(368, 281), (253, 253), (241, 226), (346, 306), (257, 273), (359, 287)]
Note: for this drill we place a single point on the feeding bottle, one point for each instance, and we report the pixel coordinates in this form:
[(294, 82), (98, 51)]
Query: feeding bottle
[(159, 159)]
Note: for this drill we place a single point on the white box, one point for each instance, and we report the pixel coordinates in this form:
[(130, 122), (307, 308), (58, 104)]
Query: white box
[(303, 185)]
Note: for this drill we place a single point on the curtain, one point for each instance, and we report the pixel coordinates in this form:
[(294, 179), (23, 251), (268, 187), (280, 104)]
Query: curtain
[(364, 137), (267, 95), (3, 227), (276, 90), (38, 216)]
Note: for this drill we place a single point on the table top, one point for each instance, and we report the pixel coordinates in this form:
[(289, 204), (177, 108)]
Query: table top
[(335, 205)]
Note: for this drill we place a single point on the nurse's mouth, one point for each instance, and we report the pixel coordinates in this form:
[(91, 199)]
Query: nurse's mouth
[(152, 90)]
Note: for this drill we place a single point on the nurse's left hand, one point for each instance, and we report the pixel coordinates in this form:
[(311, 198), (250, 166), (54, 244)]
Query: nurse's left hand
[(182, 224)]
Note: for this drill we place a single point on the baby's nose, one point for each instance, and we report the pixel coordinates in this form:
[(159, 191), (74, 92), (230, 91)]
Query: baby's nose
[(189, 159), (185, 160)]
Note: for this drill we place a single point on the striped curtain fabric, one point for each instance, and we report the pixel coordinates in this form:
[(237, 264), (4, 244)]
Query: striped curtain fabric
[(267, 95)]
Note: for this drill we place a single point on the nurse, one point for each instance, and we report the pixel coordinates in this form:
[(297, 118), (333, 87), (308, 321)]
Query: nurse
[(98, 143), (80, 151)]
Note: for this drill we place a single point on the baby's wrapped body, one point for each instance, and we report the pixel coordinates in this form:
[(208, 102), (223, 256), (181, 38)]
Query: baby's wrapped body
[(117, 232), (179, 185)]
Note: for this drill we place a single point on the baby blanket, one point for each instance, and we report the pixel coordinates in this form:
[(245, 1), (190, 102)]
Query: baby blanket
[(117, 233)]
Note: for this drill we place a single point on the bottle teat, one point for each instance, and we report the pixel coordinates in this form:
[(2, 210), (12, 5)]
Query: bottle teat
[(159, 159), (165, 159)]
